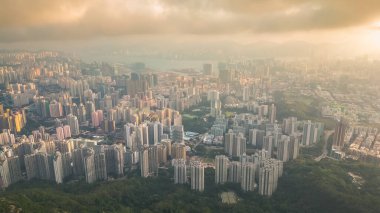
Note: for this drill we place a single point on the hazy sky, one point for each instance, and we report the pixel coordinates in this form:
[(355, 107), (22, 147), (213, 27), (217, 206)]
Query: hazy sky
[(243, 21)]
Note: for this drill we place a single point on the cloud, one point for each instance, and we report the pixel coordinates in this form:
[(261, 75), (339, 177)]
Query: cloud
[(24, 13), (22, 20)]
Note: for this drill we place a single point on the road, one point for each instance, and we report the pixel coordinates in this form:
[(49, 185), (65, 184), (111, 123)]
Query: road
[(200, 140), (327, 135)]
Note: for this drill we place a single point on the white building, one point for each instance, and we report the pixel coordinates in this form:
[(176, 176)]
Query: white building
[(248, 176), (57, 166), (180, 172), (197, 175), (221, 168)]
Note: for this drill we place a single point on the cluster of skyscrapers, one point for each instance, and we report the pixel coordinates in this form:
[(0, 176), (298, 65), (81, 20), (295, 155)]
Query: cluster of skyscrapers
[(280, 141), (234, 143), (59, 160), (196, 171), (256, 171), (137, 117), (357, 142), (14, 120)]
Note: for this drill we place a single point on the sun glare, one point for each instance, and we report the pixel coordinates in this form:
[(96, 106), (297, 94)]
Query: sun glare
[(374, 35), (157, 8)]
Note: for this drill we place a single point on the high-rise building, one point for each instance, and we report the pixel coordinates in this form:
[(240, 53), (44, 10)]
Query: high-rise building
[(97, 118), (94, 119), (89, 165), (72, 121), (234, 172), (6, 138), (128, 131), (221, 169), (108, 102), (248, 176), (50, 159), (14, 169), (67, 131), (115, 159), (23, 149), (289, 125), (309, 133), (67, 169), (340, 132), (14, 121), (142, 132), (155, 132), (234, 144), (60, 133), (283, 152), (197, 175), (50, 147), (108, 126), (37, 166), (82, 114), (144, 161), (65, 146), (213, 95), (5, 179), (239, 146), (178, 151), (153, 160), (30, 166), (162, 153), (246, 93), (180, 172), (252, 136), (112, 115), (215, 108), (67, 109), (77, 159), (90, 108), (228, 142), (246, 159), (55, 109), (168, 144), (119, 154), (57, 167), (268, 144), (177, 119), (139, 83), (215, 103), (266, 181), (178, 133), (272, 114), (293, 147), (46, 136), (100, 163), (269, 172), (257, 138), (320, 128), (42, 165)]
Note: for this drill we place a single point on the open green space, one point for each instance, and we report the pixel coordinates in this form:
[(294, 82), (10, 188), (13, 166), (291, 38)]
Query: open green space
[(209, 151), (196, 119), (306, 186), (300, 106), (199, 125)]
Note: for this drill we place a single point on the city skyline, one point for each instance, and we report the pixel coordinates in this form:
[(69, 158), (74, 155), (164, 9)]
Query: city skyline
[(189, 106)]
